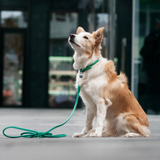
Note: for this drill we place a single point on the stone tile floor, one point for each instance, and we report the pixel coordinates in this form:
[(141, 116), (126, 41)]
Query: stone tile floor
[(68, 148)]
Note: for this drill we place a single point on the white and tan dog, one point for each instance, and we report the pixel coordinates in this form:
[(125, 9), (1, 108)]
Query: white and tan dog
[(105, 94)]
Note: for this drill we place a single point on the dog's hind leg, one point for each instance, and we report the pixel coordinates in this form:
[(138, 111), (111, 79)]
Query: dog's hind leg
[(135, 128)]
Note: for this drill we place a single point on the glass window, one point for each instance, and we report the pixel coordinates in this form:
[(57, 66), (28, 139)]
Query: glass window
[(61, 74), (14, 19), (13, 45), (146, 54)]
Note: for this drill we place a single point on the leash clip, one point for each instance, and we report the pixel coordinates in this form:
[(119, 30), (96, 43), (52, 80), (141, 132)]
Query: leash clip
[(81, 75)]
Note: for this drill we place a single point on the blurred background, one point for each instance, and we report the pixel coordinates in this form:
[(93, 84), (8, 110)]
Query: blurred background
[(36, 60)]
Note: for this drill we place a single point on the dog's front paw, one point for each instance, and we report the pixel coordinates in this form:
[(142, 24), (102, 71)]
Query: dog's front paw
[(96, 134), (77, 135)]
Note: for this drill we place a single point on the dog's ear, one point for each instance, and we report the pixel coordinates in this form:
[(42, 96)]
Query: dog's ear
[(98, 34), (80, 29)]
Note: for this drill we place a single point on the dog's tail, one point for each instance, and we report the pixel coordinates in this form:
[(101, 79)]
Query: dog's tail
[(133, 125), (121, 125), (143, 130), (122, 78)]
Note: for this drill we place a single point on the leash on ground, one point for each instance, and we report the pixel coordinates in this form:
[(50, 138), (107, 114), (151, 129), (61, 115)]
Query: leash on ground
[(32, 133)]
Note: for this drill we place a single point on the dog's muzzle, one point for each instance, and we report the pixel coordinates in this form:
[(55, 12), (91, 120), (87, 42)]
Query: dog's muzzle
[(72, 36), (72, 39)]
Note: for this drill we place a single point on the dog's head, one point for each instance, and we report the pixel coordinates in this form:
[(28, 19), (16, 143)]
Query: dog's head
[(86, 43)]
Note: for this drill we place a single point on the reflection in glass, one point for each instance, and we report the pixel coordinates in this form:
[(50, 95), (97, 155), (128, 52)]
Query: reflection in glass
[(13, 19), (12, 73), (146, 54), (61, 74)]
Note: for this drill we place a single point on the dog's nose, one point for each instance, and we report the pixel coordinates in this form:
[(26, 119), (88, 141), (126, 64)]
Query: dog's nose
[(72, 36)]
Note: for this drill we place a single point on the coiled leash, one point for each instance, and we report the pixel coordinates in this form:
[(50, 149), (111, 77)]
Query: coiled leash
[(32, 133), (36, 134)]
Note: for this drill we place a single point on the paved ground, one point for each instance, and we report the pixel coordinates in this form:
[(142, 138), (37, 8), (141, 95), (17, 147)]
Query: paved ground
[(68, 148)]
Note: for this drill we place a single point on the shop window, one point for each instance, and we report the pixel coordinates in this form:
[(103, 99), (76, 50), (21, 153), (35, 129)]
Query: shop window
[(146, 54), (14, 19), (13, 25), (61, 74), (13, 48)]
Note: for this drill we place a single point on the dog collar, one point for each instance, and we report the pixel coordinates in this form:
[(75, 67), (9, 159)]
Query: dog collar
[(88, 67)]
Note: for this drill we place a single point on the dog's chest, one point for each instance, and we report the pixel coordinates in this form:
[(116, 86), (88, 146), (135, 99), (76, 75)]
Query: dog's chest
[(90, 84), (82, 79)]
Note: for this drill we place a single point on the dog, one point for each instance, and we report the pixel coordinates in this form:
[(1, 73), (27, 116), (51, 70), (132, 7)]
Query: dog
[(105, 94)]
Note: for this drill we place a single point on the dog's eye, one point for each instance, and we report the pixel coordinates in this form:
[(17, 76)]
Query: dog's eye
[(85, 37)]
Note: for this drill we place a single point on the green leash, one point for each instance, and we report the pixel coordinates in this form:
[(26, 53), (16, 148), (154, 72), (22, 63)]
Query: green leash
[(32, 133), (89, 67)]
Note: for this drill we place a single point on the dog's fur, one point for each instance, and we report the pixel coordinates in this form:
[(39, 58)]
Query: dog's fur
[(105, 94)]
